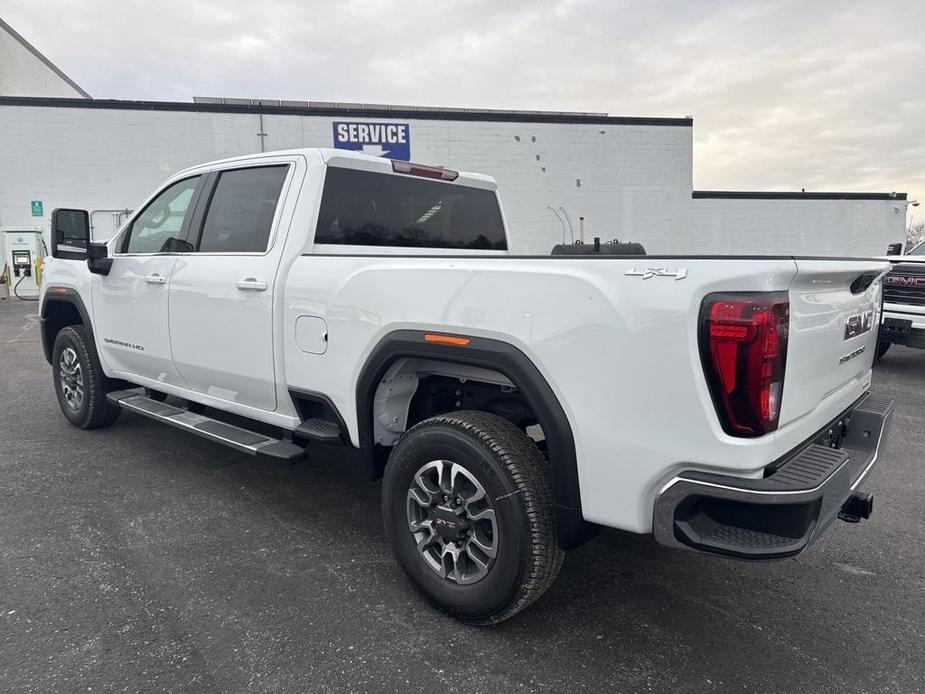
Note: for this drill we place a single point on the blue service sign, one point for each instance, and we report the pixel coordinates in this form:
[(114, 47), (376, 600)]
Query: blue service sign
[(38, 209), (390, 140)]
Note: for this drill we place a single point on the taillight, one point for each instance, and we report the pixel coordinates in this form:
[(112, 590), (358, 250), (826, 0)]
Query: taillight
[(743, 347)]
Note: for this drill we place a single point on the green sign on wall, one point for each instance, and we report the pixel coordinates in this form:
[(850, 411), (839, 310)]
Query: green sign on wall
[(38, 209)]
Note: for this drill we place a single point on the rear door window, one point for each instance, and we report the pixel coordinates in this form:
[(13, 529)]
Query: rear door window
[(364, 208), (241, 211)]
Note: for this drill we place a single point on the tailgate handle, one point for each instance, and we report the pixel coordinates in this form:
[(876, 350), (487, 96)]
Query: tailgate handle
[(862, 282)]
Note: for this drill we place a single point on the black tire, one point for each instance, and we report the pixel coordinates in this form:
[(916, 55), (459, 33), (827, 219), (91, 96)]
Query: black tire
[(93, 410), (515, 477), (882, 348)]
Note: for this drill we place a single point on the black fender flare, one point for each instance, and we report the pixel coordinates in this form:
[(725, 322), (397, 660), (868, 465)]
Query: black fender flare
[(55, 294), (572, 530)]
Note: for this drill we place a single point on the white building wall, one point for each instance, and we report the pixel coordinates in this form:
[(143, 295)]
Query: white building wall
[(23, 73), (635, 180), (796, 227), (628, 181)]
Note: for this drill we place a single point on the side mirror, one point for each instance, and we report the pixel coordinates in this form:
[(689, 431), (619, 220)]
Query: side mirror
[(70, 234), (98, 260)]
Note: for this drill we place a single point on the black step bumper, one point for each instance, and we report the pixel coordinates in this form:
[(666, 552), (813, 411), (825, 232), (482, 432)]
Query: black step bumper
[(781, 514)]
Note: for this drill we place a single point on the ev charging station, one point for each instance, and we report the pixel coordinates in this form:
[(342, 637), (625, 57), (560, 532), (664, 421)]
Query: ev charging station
[(22, 252)]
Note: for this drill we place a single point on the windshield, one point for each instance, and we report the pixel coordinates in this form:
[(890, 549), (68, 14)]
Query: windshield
[(918, 250)]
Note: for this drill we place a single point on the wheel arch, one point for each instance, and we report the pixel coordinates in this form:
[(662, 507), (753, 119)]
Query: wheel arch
[(512, 363), (61, 307)]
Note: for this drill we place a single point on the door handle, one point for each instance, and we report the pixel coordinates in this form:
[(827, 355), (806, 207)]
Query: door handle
[(251, 284), (155, 279)]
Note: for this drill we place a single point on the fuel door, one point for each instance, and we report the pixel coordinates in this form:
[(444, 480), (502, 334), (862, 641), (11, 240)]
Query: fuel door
[(311, 334)]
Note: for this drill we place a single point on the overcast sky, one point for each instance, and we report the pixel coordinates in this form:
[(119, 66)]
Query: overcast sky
[(785, 94)]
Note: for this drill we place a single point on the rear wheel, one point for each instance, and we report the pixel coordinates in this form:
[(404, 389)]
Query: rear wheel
[(467, 506), (80, 383)]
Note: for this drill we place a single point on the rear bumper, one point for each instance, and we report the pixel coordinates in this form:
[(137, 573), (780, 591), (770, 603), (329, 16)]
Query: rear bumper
[(780, 515)]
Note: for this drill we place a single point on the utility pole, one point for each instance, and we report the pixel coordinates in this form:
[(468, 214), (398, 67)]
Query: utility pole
[(262, 135)]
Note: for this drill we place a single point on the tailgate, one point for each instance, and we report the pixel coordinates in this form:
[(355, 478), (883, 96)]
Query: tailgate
[(834, 324)]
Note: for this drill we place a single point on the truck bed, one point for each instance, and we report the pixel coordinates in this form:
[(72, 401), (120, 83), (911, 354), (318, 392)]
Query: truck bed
[(615, 344)]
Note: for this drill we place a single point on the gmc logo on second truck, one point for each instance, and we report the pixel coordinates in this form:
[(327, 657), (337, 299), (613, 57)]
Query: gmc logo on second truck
[(904, 281)]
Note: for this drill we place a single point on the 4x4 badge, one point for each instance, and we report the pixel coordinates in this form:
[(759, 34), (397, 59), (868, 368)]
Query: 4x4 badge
[(650, 272)]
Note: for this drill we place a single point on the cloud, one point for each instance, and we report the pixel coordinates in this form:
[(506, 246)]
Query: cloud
[(786, 94)]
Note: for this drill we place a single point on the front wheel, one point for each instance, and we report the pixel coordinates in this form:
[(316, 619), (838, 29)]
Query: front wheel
[(80, 383), (468, 512)]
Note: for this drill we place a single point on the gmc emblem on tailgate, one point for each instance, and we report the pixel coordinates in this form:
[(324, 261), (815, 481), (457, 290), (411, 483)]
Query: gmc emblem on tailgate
[(859, 323)]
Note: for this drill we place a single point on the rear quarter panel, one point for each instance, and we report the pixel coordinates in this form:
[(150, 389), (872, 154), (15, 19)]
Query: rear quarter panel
[(619, 351)]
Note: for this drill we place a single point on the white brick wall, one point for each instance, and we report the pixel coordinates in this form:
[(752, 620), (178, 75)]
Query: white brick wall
[(635, 179), (804, 227)]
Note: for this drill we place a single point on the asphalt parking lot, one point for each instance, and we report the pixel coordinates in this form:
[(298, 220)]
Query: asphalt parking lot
[(140, 558)]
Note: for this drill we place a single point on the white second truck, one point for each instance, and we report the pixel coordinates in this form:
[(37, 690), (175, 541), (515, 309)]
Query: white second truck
[(904, 302), (513, 404)]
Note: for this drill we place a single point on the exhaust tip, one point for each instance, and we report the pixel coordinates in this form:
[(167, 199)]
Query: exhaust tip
[(858, 506)]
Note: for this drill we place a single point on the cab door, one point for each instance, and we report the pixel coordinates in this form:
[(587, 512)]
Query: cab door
[(131, 302), (222, 292)]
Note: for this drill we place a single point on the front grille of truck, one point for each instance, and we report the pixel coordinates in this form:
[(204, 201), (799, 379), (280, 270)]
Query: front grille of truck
[(905, 284)]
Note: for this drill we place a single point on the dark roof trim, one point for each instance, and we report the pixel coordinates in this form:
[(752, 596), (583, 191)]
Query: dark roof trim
[(35, 51), (640, 259), (784, 195), (490, 116)]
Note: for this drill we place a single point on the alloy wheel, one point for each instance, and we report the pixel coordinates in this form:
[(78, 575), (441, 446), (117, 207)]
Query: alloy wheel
[(72, 381), (452, 521)]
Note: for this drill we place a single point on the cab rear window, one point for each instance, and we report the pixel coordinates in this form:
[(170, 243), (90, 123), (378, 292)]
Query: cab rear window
[(364, 208)]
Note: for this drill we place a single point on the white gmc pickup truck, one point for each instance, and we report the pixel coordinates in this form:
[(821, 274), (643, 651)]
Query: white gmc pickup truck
[(904, 302), (513, 404)]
